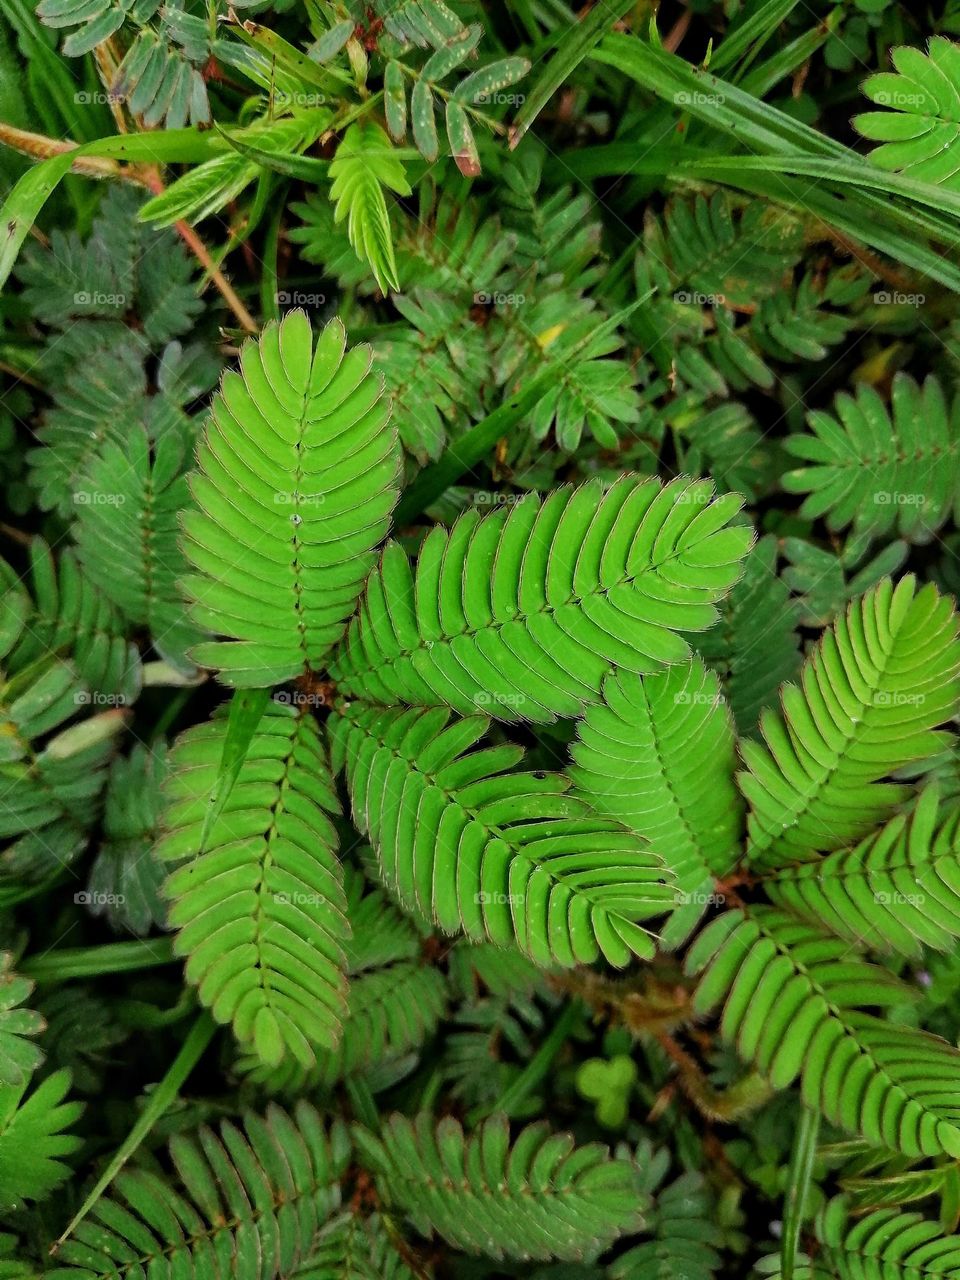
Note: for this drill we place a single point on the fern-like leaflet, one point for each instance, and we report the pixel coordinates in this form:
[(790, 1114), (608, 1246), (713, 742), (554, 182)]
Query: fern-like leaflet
[(882, 470), (512, 857), (538, 1197), (919, 136), (869, 701), (525, 614), (364, 165), (260, 906), (793, 1002), (19, 1055), (658, 754), (896, 890), (256, 1195), (294, 488)]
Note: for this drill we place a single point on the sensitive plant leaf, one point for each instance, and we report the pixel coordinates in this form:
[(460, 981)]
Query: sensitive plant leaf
[(53, 758), (126, 877), (755, 647), (523, 613), (68, 615), (129, 504), (450, 55), (919, 134), (458, 1187), (793, 1001), (34, 1139), (293, 491), (19, 1056), (515, 858), (884, 1243), (896, 890), (423, 120), (365, 164), (462, 143), (658, 754), (870, 699), (260, 908), (484, 85), (331, 42), (884, 470), (261, 1187), (395, 101)]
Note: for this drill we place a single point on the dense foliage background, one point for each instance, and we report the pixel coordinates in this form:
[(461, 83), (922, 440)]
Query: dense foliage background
[(712, 239)]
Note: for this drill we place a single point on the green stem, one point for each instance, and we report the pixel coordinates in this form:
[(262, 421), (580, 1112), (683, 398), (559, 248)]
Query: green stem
[(800, 1173), (431, 1091), (536, 1069), (89, 962), (160, 1099), (14, 894), (269, 281), (363, 1103), (169, 714)]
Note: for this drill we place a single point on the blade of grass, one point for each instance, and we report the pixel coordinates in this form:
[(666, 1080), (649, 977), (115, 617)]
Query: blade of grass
[(536, 1069), (753, 33), (572, 47), (798, 1185), (25, 201), (270, 279), (618, 158), (62, 109), (90, 962), (23, 205), (785, 61), (289, 164), (161, 1098), (246, 711), (865, 215)]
